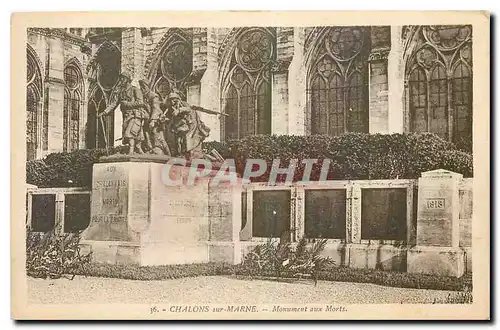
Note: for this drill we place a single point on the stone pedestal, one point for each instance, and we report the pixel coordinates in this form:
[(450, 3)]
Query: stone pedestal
[(432, 260), (136, 218), (224, 212), (437, 251)]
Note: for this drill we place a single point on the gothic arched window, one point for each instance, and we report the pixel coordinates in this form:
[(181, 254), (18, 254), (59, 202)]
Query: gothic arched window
[(247, 92), (72, 103), (174, 67), (338, 82), (33, 106), (97, 104), (461, 88), (100, 131), (439, 75), (418, 99)]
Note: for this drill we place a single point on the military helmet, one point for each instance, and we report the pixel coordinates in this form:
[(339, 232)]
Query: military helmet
[(173, 95)]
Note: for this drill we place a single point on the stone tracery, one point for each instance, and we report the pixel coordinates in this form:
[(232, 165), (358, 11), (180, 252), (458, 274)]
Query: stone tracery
[(338, 81), (33, 105), (247, 86), (104, 73), (439, 75), (72, 104), (172, 64)]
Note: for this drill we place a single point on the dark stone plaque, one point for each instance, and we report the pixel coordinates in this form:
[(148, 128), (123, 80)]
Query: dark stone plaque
[(76, 212), (325, 213), (43, 212), (383, 214), (271, 213)]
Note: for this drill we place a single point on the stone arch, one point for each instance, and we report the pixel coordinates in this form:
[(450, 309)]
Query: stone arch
[(437, 50), (32, 52), (73, 135), (154, 57), (74, 61), (226, 52), (35, 123), (243, 76), (409, 42), (313, 41), (94, 61), (107, 53), (336, 64)]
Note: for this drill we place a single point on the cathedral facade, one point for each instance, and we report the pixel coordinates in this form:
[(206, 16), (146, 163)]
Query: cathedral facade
[(268, 80)]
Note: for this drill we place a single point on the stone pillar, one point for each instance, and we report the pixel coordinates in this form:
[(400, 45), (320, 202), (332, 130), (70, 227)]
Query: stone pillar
[(300, 214), (209, 86), (246, 232), (289, 82), (39, 152), (54, 83), (85, 56), (59, 213), (279, 90), (279, 107), (354, 195), (396, 81), (411, 222), (378, 80), (438, 227), (355, 253), (203, 89), (133, 53), (297, 102)]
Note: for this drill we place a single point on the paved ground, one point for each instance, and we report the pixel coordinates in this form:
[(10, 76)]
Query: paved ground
[(219, 289)]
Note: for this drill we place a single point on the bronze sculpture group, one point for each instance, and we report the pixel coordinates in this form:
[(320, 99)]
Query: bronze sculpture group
[(171, 128)]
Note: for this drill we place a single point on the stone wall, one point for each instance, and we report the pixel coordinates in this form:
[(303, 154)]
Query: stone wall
[(352, 248), (142, 49), (63, 209), (357, 248), (54, 49)]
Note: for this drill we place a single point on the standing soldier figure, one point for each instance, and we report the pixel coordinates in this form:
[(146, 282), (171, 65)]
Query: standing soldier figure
[(156, 125), (188, 128), (134, 112)]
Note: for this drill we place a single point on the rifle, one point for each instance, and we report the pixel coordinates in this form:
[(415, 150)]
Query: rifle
[(212, 112), (196, 108)]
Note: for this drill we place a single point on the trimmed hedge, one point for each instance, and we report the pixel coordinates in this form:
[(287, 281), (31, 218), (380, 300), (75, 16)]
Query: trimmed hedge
[(354, 156), (338, 274), (65, 169)]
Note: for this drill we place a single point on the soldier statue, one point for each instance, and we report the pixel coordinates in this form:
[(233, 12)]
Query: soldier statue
[(134, 112), (157, 123), (188, 128), (173, 128)]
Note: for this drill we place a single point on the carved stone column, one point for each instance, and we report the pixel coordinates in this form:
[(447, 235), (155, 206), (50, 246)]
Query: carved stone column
[(355, 214), (378, 80), (396, 81), (203, 84), (288, 89), (297, 85), (133, 53), (54, 83)]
